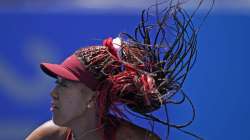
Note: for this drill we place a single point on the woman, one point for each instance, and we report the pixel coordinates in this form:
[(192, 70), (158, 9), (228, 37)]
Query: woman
[(131, 70), (77, 104)]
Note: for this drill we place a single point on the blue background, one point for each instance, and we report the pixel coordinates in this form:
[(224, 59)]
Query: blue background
[(218, 84)]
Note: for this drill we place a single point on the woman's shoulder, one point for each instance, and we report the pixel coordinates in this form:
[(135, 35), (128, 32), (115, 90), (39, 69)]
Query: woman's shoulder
[(125, 131), (48, 131), (130, 131)]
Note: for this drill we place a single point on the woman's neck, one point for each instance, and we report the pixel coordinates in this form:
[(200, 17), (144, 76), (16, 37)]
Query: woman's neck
[(91, 134), (85, 126)]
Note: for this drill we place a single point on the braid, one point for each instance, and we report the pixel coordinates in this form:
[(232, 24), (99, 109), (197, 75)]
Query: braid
[(145, 70)]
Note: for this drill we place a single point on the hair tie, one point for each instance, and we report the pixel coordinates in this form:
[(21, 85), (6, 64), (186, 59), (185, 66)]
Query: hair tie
[(114, 46)]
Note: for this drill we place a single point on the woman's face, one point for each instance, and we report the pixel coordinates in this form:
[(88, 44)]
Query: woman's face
[(69, 101)]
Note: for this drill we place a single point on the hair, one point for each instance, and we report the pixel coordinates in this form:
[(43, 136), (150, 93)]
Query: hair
[(150, 68)]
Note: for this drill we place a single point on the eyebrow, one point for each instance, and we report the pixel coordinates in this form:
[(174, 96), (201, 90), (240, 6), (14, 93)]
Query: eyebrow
[(64, 81), (60, 80)]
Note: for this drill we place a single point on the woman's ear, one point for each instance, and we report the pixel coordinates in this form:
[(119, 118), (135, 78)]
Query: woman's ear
[(91, 101), (88, 96)]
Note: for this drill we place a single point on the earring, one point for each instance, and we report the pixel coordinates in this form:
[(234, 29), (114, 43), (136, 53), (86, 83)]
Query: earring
[(90, 101), (88, 106)]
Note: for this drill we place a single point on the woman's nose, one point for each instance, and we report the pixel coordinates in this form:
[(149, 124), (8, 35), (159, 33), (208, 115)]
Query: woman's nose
[(54, 93)]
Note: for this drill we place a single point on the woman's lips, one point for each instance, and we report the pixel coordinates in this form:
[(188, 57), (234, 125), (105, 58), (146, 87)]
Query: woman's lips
[(53, 107)]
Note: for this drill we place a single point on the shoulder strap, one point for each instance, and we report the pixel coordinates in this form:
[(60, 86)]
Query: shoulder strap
[(68, 134)]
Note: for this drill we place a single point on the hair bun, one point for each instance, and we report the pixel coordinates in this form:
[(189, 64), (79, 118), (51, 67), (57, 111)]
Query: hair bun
[(148, 97)]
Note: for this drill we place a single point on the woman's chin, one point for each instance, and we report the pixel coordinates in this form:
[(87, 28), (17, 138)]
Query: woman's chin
[(58, 121)]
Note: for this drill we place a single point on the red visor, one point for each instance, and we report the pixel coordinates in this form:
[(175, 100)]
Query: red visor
[(71, 69)]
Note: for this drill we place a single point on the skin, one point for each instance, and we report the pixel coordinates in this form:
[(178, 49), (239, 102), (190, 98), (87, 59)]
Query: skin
[(72, 102)]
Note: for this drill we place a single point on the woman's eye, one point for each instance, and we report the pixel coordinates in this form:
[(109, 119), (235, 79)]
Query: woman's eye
[(60, 83)]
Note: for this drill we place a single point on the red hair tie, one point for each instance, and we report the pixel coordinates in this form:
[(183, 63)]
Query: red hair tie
[(114, 49), (108, 42)]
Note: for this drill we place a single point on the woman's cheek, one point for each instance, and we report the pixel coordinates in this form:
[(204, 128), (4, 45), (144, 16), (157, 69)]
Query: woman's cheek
[(70, 109)]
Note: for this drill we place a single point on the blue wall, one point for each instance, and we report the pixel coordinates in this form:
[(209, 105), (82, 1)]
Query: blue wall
[(218, 84)]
